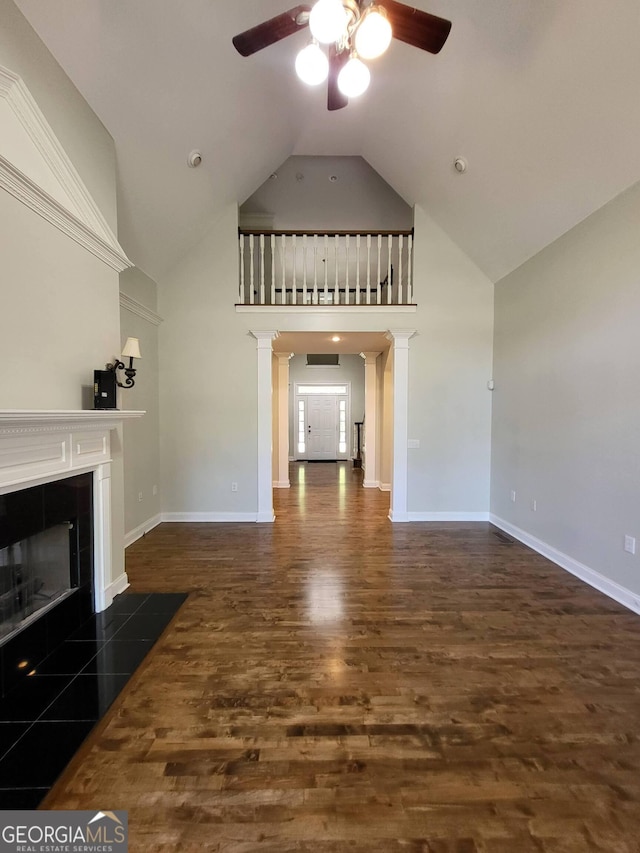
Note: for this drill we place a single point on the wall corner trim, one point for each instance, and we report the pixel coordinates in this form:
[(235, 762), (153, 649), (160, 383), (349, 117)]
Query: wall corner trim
[(590, 576), (85, 224), (115, 588), (139, 531)]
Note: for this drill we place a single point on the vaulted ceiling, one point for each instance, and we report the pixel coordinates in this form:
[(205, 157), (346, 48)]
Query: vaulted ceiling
[(539, 96)]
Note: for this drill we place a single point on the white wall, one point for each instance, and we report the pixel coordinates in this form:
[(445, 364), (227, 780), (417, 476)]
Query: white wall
[(208, 376), (450, 362), (59, 303), (359, 199), (80, 132), (566, 404), (351, 369), (208, 381), (141, 436)]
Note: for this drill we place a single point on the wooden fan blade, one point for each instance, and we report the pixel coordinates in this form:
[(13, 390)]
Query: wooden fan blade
[(335, 99), (271, 31), (417, 28)]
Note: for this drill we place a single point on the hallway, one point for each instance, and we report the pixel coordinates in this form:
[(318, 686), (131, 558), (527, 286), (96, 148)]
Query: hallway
[(339, 683)]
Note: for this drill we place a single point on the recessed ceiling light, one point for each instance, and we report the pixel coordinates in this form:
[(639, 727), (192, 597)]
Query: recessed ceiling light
[(460, 165), (194, 159), (335, 339), (333, 178), (273, 176)]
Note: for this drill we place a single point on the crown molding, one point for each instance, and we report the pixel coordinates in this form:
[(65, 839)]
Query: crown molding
[(87, 226), (141, 310)]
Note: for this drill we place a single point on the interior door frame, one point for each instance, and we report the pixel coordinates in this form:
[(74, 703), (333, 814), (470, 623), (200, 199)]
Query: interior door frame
[(349, 430)]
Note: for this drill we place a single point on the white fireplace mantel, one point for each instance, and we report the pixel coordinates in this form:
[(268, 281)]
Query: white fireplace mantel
[(39, 446), (46, 420)]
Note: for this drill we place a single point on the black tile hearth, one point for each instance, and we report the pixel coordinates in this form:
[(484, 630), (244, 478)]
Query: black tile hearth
[(39, 757), (88, 697), (46, 716)]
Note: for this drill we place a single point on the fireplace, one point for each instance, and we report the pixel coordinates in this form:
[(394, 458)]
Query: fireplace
[(46, 549), (55, 530)]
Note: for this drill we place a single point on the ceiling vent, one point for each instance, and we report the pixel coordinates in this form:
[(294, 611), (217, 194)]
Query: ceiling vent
[(323, 360)]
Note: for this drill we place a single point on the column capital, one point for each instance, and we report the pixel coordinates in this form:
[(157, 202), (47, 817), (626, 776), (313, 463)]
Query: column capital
[(400, 337), (264, 338), (284, 357), (369, 357)]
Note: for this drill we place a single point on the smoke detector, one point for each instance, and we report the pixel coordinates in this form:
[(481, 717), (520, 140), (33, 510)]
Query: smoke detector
[(194, 159)]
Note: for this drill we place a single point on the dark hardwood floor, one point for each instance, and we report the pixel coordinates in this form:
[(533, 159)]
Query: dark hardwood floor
[(338, 683)]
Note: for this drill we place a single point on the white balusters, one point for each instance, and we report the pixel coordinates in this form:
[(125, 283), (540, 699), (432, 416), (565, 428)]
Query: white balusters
[(410, 269), (251, 268), (326, 269), (294, 287), (400, 248), (379, 278), (368, 269), (261, 269), (273, 269), (283, 291), (336, 295), (314, 298), (270, 267), (389, 268), (304, 270), (358, 269), (346, 280), (241, 293)]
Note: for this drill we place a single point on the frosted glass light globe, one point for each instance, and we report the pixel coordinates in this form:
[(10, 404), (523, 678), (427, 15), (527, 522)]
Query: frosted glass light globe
[(328, 21), (373, 36), (312, 65), (354, 78)]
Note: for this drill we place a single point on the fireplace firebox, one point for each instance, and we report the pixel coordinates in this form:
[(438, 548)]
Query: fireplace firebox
[(46, 570)]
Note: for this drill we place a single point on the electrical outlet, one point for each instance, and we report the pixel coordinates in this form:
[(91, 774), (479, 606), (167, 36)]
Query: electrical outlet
[(513, 496), (534, 505), (630, 544), (155, 490), (139, 497), (234, 487)]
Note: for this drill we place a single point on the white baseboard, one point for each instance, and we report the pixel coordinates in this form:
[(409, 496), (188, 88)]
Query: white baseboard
[(590, 576), (370, 484), (139, 531), (281, 484), (115, 588), (448, 516), (209, 517), (398, 517), (265, 518), (384, 487)]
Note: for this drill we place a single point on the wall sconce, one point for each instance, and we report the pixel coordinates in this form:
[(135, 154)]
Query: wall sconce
[(131, 350)]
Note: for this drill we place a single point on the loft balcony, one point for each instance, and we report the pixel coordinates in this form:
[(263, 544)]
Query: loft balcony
[(334, 268)]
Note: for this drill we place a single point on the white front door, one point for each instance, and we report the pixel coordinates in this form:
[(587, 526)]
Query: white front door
[(322, 428), (322, 424)]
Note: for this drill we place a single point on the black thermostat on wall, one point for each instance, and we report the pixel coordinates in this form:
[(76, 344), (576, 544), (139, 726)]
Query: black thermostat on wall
[(104, 389)]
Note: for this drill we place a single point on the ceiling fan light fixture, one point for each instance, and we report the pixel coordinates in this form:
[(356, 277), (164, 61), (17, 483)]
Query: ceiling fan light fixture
[(312, 65), (354, 78), (328, 21), (374, 33)]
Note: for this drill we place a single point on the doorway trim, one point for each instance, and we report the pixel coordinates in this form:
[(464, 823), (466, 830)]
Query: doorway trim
[(399, 474), (297, 396)]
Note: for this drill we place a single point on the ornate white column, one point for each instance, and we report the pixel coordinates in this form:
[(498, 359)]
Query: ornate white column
[(371, 467), (282, 474), (265, 426), (399, 458)]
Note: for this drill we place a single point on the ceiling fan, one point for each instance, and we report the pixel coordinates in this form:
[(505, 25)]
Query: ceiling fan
[(353, 30)]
